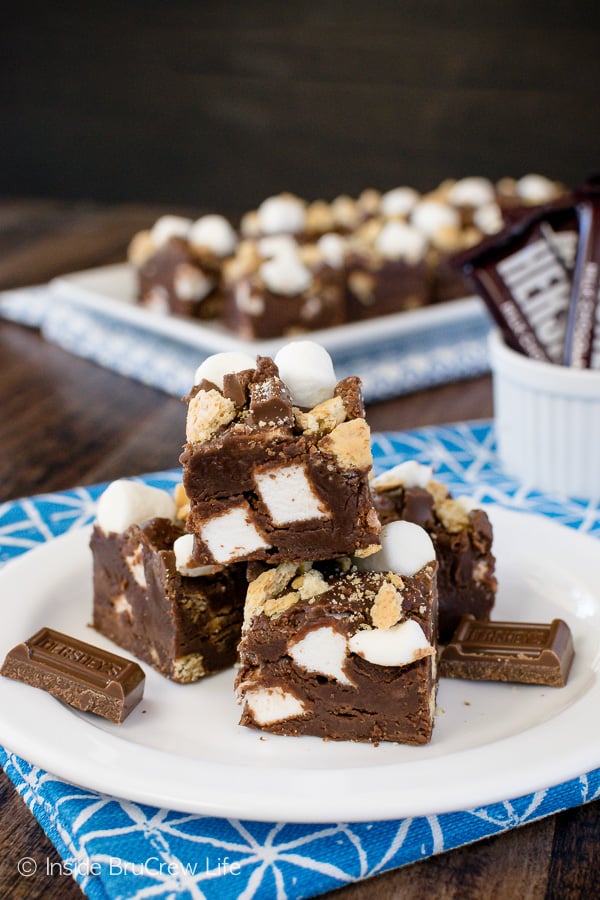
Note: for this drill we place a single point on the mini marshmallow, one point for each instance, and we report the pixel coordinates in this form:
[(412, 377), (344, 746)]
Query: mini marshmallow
[(397, 240), (431, 216), (215, 367), (183, 548), (272, 704), (307, 370), (168, 227), (400, 645), (215, 233), (126, 503), (322, 650), (408, 474), (488, 218), (405, 548), (289, 496), (136, 567), (282, 213), (535, 189), (472, 191), (399, 202), (333, 249), (276, 244), (232, 535), (286, 274)]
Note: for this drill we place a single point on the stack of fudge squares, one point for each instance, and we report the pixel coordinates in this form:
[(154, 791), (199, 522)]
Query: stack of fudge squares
[(295, 266), (280, 552)]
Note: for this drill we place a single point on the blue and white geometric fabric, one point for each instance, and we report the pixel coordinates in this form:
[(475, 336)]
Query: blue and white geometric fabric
[(397, 365), (121, 849)]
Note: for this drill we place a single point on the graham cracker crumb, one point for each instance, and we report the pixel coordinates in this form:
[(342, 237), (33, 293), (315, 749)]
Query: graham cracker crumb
[(350, 444), (323, 418), (207, 413), (268, 585), (387, 607)]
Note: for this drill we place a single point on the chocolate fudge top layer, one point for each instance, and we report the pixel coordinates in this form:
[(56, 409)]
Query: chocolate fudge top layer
[(340, 652), (277, 460), (462, 536)]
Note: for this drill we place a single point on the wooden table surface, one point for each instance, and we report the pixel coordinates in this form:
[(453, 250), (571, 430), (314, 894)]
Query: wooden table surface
[(66, 422)]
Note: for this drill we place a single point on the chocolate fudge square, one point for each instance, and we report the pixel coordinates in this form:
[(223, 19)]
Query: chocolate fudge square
[(275, 287), (339, 652), (185, 626), (270, 475), (462, 537)]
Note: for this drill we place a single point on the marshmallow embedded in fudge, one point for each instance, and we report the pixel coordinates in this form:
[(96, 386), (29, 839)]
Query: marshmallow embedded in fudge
[(406, 474), (405, 549), (125, 503), (167, 227), (191, 284), (399, 645), (286, 274), (307, 370), (183, 549), (214, 233), (215, 367), (431, 217), (232, 535), (471, 191), (399, 201), (397, 240), (282, 213)]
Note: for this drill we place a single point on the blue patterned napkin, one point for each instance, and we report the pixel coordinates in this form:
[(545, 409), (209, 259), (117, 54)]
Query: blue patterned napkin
[(395, 366), (119, 849)]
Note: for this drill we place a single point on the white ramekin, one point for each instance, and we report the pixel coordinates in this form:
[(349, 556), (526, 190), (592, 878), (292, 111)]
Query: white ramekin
[(547, 421)]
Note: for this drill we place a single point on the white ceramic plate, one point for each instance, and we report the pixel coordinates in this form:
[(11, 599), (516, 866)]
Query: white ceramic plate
[(111, 290), (182, 748)]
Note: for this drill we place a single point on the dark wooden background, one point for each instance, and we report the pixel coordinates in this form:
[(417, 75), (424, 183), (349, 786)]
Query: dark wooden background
[(219, 104)]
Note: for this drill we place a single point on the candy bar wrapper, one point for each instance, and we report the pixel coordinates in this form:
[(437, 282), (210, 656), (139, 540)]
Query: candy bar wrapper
[(582, 346), (523, 276)]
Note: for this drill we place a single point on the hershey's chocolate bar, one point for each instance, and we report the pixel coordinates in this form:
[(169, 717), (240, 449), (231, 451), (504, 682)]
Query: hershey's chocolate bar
[(582, 347), (523, 276), (84, 676), (509, 651)]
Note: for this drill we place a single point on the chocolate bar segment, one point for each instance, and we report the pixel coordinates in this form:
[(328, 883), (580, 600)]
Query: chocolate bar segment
[(521, 652), (582, 348), (83, 676), (522, 274)]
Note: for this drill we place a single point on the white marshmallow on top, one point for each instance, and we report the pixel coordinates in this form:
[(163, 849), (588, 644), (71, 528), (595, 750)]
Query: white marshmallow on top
[(332, 248), (125, 503), (488, 218), (214, 233), (286, 274), (405, 548), (431, 216), (471, 191), (536, 189), (399, 645), (215, 367), (397, 240), (408, 474), (307, 370), (167, 227), (276, 244), (399, 202), (282, 213), (183, 549)]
